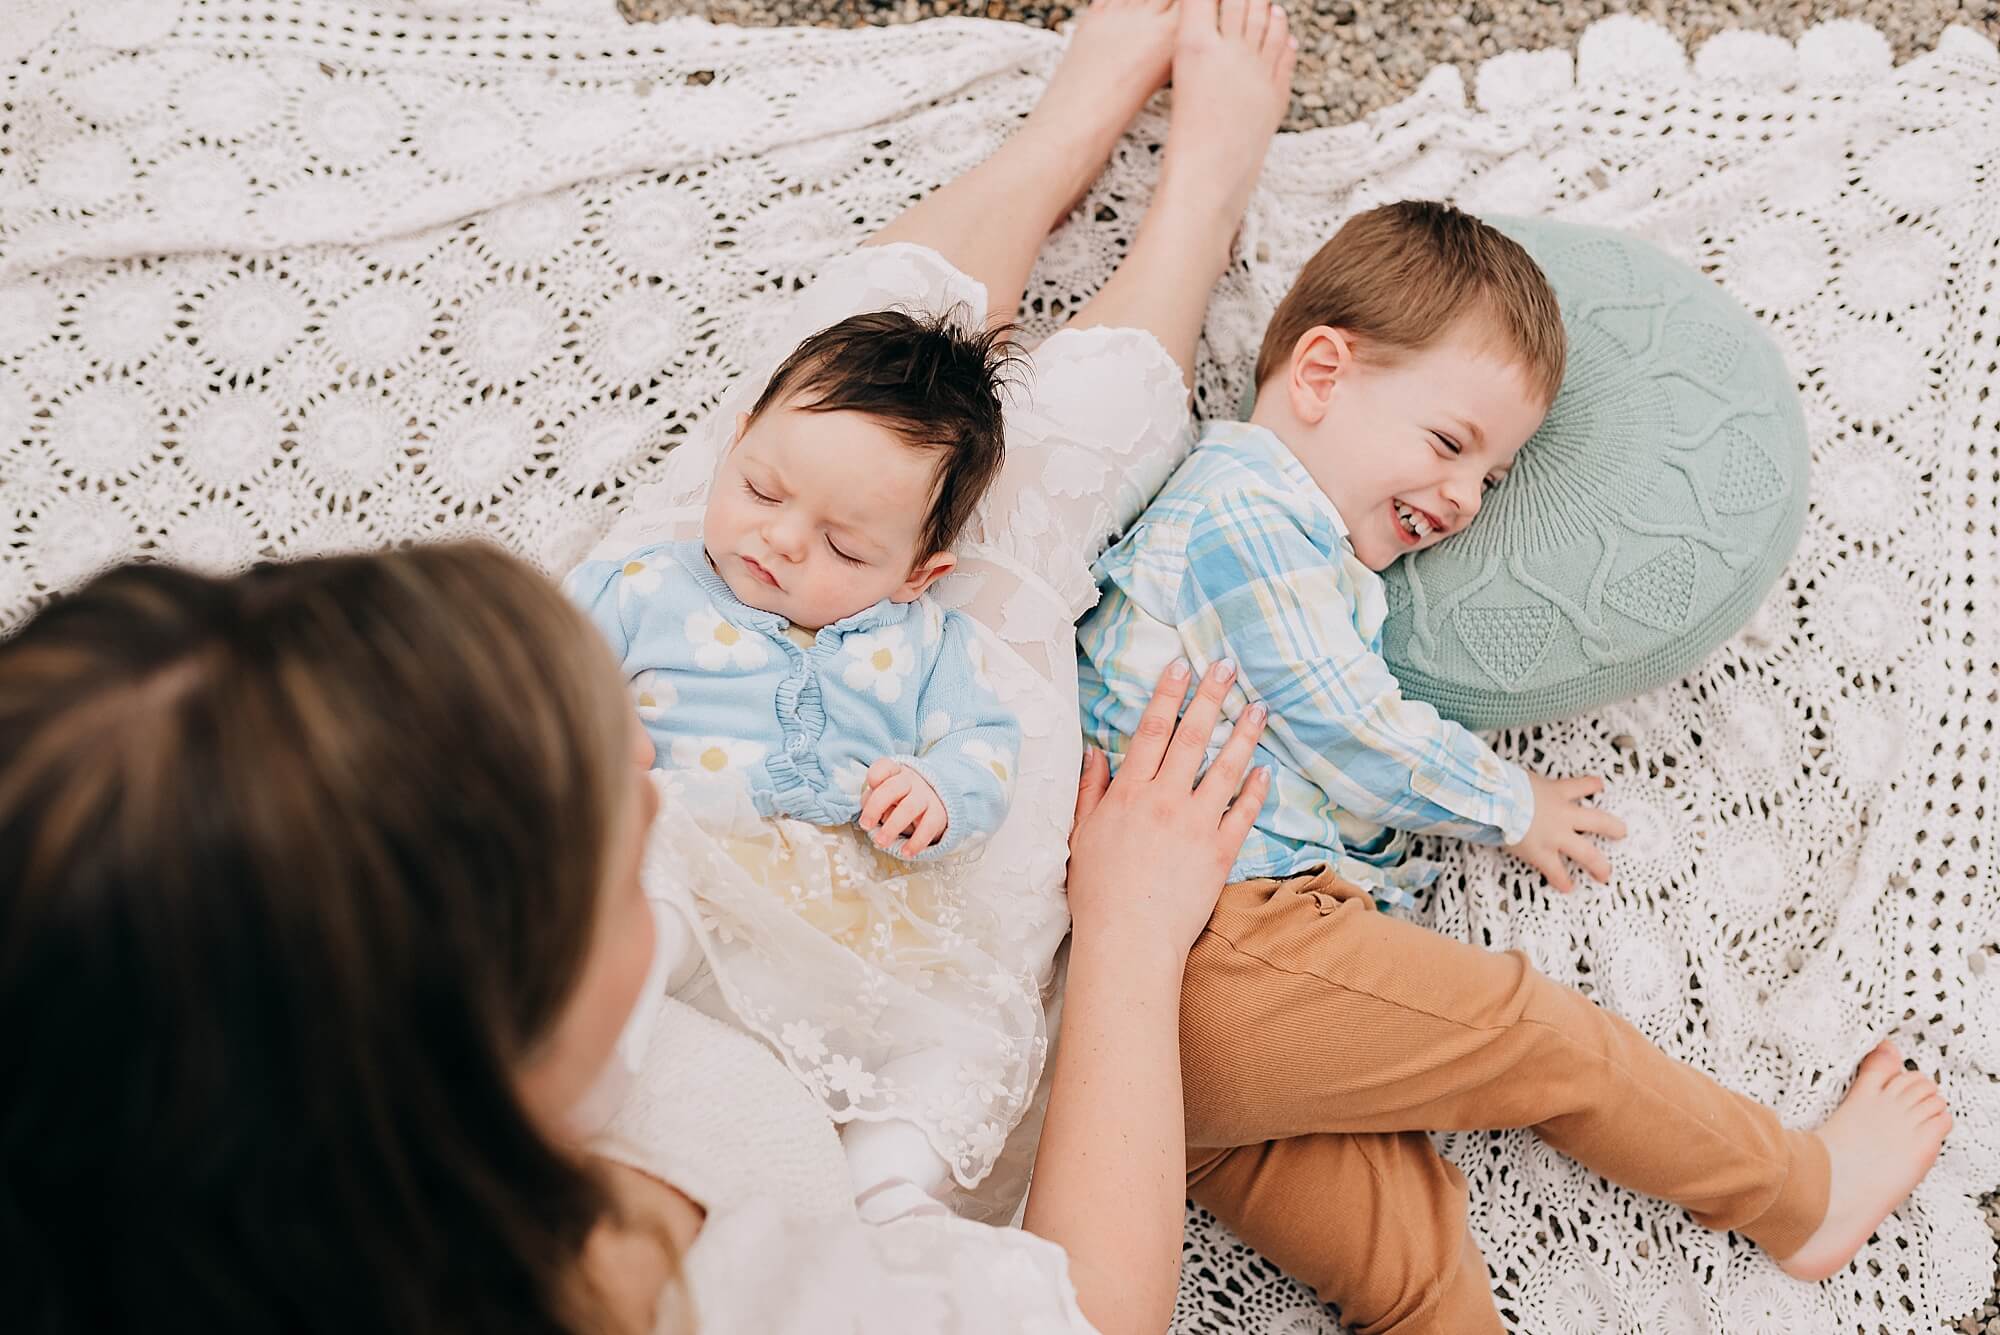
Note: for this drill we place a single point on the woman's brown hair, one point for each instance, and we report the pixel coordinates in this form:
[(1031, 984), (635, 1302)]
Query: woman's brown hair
[(296, 869)]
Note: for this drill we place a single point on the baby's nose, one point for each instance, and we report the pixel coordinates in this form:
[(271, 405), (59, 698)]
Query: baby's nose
[(788, 538)]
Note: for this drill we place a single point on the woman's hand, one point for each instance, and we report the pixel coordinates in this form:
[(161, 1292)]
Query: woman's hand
[(1147, 860), (1151, 848)]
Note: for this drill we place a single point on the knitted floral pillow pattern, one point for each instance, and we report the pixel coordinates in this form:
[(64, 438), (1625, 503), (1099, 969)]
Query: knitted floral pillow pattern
[(1642, 524)]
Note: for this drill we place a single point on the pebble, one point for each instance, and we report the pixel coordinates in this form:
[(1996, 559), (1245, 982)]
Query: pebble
[(1358, 55), (1341, 74)]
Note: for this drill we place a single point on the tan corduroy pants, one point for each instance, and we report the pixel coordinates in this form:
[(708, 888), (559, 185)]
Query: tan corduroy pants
[(1320, 1040)]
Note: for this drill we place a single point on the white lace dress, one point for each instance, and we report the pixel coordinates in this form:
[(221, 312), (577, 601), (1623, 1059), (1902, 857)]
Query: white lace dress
[(861, 971), (781, 1252)]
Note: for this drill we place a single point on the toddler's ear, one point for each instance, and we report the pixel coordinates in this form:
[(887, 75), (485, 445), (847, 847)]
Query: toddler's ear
[(924, 574), (1321, 356)]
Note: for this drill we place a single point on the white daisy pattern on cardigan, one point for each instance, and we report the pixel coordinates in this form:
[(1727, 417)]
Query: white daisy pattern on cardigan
[(715, 754), (879, 663), (720, 643), (801, 717)]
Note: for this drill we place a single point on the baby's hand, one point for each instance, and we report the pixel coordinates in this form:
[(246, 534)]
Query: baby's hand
[(1561, 829), (895, 800)]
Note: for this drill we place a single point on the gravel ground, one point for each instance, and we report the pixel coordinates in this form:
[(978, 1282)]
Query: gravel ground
[(1355, 56)]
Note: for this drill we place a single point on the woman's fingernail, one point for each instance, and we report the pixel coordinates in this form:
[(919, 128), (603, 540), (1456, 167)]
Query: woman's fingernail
[(1177, 670), (1255, 713), (1223, 670)]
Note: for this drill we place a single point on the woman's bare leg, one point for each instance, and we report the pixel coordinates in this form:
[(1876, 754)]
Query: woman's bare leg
[(1232, 76), (990, 222)]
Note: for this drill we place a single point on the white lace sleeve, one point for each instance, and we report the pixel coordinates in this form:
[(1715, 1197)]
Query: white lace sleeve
[(757, 1269)]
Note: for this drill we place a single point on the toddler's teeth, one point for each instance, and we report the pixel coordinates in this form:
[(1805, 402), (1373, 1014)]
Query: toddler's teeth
[(1410, 521)]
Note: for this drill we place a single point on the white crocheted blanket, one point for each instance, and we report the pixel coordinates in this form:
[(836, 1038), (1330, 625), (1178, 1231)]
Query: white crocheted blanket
[(201, 359)]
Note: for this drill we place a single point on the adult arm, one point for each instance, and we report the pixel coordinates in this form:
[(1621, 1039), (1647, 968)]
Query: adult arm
[(1147, 862)]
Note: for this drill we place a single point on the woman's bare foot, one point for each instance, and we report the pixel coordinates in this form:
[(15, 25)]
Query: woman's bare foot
[(1232, 79), (1232, 82), (990, 223), (1882, 1139), (1119, 54)]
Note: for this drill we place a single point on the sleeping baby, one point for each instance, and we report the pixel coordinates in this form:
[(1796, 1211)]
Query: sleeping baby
[(792, 647)]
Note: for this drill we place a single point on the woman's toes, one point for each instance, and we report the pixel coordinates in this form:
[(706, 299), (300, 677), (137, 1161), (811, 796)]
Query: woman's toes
[(1275, 32), (1197, 19), (1230, 18), (1256, 19), (1278, 39)]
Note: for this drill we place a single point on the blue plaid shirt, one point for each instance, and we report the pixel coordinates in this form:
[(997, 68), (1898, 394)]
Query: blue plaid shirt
[(1243, 556)]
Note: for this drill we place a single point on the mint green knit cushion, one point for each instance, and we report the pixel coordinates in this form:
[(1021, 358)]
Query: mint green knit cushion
[(1642, 524)]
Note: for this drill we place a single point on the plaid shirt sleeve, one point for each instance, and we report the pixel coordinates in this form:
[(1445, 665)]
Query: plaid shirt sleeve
[(1259, 590)]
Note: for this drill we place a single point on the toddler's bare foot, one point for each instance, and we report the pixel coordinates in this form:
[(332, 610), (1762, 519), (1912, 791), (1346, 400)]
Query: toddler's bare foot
[(1119, 54), (1232, 81), (1883, 1138)]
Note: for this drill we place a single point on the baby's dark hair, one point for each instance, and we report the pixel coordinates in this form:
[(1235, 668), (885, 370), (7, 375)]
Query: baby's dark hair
[(931, 379)]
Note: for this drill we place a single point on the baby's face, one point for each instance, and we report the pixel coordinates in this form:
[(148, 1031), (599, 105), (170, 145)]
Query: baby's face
[(1407, 449), (816, 516)]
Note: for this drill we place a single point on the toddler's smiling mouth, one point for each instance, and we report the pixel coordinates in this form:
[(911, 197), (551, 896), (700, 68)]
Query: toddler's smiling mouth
[(1415, 525)]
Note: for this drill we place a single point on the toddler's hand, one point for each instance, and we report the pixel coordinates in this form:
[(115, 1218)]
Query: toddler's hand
[(895, 800), (1562, 828)]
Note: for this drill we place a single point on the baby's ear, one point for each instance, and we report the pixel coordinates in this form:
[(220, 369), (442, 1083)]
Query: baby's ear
[(924, 574)]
